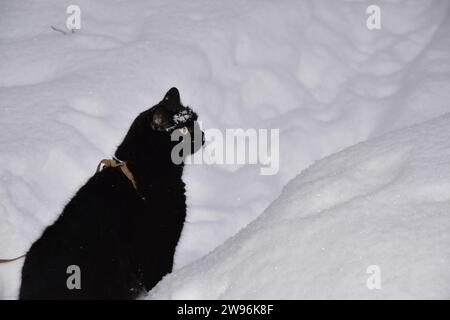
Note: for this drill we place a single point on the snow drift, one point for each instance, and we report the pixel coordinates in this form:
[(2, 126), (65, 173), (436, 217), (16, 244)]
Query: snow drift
[(383, 203)]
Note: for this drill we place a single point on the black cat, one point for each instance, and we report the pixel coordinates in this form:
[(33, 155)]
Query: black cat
[(120, 230)]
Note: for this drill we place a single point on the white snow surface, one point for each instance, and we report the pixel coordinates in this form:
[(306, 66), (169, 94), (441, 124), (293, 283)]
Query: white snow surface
[(309, 68), (382, 203)]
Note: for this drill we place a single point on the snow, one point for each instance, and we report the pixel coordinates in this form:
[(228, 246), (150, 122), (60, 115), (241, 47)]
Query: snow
[(311, 69), (381, 204)]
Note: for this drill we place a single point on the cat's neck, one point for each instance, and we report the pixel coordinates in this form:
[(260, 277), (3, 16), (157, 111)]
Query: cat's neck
[(149, 160), (155, 176)]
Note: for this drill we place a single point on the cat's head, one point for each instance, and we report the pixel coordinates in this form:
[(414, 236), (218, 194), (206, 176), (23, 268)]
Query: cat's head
[(153, 131)]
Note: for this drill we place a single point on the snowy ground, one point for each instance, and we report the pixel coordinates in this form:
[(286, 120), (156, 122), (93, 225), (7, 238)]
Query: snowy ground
[(382, 203), (310, 68)]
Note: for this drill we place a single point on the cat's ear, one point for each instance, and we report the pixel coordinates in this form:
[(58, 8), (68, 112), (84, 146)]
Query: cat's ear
[(172, 98), (160, 119)]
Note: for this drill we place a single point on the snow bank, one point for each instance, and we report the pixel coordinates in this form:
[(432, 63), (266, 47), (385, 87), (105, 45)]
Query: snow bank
[(383, 203), (310, 68)]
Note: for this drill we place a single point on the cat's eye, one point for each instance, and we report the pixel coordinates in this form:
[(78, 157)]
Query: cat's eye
[(184, 131)]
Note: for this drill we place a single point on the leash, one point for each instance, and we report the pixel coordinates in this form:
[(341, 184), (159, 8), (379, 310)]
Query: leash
[(105, 163), (116, 163), (11, 260)]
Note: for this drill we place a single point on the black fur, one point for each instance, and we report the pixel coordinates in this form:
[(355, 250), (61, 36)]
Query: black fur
[(123, 240)]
